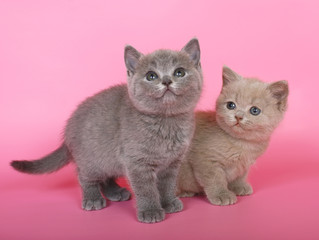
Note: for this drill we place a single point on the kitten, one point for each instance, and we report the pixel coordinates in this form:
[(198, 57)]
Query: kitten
[(227, 142), (141, 130)]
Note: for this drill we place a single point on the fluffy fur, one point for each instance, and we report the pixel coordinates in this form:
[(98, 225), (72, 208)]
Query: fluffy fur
[(141, 130), (227, 142)]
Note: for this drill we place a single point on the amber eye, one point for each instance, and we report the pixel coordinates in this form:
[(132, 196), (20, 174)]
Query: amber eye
[(151, 76), (231, 105), (179, 72), (255, 111)]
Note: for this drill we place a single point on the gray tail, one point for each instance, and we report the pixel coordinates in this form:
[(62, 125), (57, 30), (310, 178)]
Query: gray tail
[(50, 163)]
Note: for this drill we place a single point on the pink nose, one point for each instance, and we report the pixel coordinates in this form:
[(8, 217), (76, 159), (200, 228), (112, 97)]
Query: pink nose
[(239, 118)]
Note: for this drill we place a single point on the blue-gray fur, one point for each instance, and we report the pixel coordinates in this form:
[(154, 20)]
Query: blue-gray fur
[(141, 130), (50, 163)]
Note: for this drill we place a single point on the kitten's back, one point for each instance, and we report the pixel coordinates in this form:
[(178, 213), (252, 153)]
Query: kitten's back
[(102, 109), (93, 131)]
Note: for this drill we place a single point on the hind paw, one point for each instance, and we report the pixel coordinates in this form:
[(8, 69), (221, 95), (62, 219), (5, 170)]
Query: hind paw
[(120, 194)]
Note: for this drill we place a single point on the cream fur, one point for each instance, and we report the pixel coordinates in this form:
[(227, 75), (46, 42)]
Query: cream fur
[(222, 152)]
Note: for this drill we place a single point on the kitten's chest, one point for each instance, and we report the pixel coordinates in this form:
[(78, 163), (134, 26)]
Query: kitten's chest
[(242, 157), (169, 136), (160, 139), (237, 165)]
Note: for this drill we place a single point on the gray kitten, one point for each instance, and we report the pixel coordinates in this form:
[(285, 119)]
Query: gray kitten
[(141, 130)]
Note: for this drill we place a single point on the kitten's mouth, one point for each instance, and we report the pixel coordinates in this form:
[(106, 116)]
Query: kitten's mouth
[(168, 91), (237, 125)]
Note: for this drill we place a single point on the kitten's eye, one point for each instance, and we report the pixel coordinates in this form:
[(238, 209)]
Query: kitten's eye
[(231, 105), (151, 76), (255, 111), (179, 72)]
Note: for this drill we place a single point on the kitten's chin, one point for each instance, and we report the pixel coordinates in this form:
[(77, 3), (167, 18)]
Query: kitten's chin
[(168, 97), (237, 130), (240, 132)]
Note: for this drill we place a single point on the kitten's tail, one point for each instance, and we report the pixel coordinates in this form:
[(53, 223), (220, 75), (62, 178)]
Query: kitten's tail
[(50, 163)]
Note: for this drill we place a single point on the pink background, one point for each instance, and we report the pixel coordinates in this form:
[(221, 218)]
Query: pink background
[(55, 53)]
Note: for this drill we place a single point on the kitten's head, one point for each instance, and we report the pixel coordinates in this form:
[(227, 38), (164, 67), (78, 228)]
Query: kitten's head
[(164, 82), (248, 108)]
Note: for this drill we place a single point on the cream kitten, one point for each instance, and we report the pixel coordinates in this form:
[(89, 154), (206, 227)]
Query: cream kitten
[(228, 141)]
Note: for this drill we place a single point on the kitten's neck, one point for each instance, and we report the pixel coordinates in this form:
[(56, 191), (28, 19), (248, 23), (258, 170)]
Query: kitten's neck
[(248, 140), (253, 146), (166, 115), (252, 140)]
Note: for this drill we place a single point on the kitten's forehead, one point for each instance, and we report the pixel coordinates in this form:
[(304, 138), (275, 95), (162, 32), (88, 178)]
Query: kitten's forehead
[(164, 61), (247, 92)]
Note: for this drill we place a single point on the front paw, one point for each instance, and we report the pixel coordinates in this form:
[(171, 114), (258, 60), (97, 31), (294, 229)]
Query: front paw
[(186, 194), (242, 189), (176, 205), (93, 204), (222, 198), (151, 215)]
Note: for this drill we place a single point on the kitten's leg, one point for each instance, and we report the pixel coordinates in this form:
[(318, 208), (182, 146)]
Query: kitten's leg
[(113, 191), (214, 181), (92, 198), (241, 187), (185, 194), (187, 185), (143, 182), (167, 188)]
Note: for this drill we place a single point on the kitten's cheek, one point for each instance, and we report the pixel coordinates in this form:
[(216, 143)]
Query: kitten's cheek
[(184, 90), (157, 95)]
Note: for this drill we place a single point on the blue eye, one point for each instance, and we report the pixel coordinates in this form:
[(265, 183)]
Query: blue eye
[(255, 111), (179, 72), (231, 105), (151, 76)]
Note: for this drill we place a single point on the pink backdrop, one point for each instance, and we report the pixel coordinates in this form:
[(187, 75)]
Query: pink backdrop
[(54, 53)]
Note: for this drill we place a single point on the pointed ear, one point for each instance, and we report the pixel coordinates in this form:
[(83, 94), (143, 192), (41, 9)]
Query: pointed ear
[(279, 90), (193, 50), (131, 57), (229, 76)]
